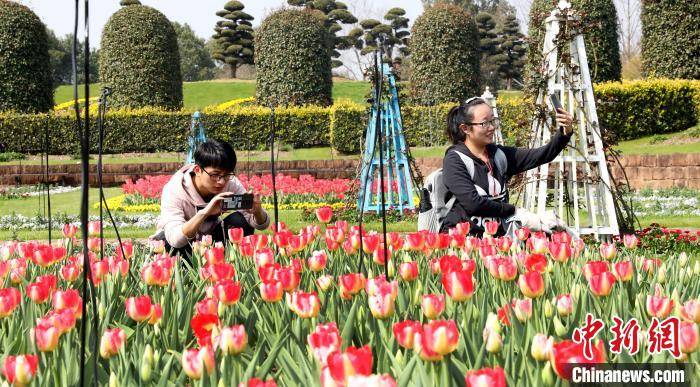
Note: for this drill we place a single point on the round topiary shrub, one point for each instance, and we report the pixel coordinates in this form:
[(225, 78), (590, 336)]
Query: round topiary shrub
[(670, 36), (139, 59), (25, 67), (444, 56), (292, 64), (599, 22)]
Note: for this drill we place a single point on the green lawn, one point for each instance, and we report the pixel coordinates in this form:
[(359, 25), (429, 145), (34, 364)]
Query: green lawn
[(686, 141), (197, 95)]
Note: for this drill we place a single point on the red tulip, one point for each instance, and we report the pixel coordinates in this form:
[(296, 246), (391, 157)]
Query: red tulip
[(472, 243), (38, 292), (414, 241), (305, 305), (408, 271), (538, 244), (535, 262), (592, 268), (215, 254), (689, 337), (139, 308), (560, 252), (196, 361), (324, 282), (433, 305), (255, 382), (154, 274), (650, 264), (381, 305), (324, 214), (541, 348), (335, 234), (690, 311), (567, 354), (503, 243), (601, 284), (45, 336), (219, 271), (522, 309), (565, 305), (531, 284), (207, 306), (64, 320), (522, 233), (324, 340), (623, 270), (227, 291), (69, 230), (438, 337), (235, 235), (463, 228), (112, 341), (271, 291), (203, 326), (502, 268), (492, 377), (288, 277), (491, 227), (317, 261), (156, 314), (70, 272), (350, 284), (94, 227), (630, 240), (608, 250), (657, 305), (68, 300), (20, 370), (354, 361), (232, 340), (458, 284), (405, 331)]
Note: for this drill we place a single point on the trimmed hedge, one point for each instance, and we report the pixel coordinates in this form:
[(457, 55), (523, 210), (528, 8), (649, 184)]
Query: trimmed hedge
[(670, 35), (139, 59), (25, 66), (292, 61), (641, 108), (444, 56), (628, 110)]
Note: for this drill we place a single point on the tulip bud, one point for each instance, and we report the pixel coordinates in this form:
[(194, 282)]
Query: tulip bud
[(494, 342), (559, 328), (146, 364), (662, 274), (476, 313), (156, 356), (101, 310), (548, 309), (541, 347), (696, 268), (113, 382), (417, 293), (576, 291), (681, 276), (547, 377), (683, 259)]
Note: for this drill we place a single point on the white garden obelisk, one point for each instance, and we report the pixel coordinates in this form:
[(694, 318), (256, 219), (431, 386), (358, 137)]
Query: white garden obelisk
[(581, 192)]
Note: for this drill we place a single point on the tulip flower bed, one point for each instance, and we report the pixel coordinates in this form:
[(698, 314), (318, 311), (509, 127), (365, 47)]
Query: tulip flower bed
[(296, 308), (304, 192)]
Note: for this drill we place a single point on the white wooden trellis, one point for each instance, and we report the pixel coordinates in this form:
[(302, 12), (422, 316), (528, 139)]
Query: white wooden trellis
[(583, 161)]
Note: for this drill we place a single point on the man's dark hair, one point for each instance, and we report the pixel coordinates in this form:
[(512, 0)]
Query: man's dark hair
[(216, 154)]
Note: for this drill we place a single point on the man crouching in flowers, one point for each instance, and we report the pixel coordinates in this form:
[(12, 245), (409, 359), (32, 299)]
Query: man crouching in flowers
[(191, 200)]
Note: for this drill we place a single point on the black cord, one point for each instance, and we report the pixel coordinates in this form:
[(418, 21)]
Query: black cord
[(272, 164), (48, 193), (379, 133)]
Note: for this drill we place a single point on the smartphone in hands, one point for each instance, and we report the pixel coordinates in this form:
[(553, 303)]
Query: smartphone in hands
[(237, 202)]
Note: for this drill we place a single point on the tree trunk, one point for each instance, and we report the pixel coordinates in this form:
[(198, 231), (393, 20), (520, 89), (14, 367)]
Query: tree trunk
[(509, 83), (234, 68)]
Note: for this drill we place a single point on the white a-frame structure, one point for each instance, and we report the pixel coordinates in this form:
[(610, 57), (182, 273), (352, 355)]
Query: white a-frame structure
[(581, 191)]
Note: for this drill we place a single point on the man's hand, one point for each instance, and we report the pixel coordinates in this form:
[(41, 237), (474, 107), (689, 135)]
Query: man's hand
[(565, 120), (257, 205), (213, 208)]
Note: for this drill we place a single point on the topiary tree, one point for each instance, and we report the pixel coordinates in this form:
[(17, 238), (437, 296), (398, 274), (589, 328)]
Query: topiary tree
[(234, 37), (394, 34), (139, 59), (336, 14), (600, 26), (670, 36), (25, 66), (124, 3), (444, 56), (292, 64), (490, 58), (512, 51)]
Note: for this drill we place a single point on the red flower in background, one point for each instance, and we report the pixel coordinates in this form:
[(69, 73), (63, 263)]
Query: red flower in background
[(492, 377)]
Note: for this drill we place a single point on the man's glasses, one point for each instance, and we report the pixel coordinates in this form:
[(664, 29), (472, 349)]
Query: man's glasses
[(217, 177), (494, 123)]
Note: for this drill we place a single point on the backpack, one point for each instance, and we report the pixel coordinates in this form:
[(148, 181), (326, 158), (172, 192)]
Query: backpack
[(433, 208)]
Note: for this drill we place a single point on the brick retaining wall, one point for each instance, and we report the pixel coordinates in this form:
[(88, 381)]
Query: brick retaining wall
[(653, 171)]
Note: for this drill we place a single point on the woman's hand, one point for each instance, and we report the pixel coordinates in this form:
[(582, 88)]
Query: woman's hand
[(565, 120)]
